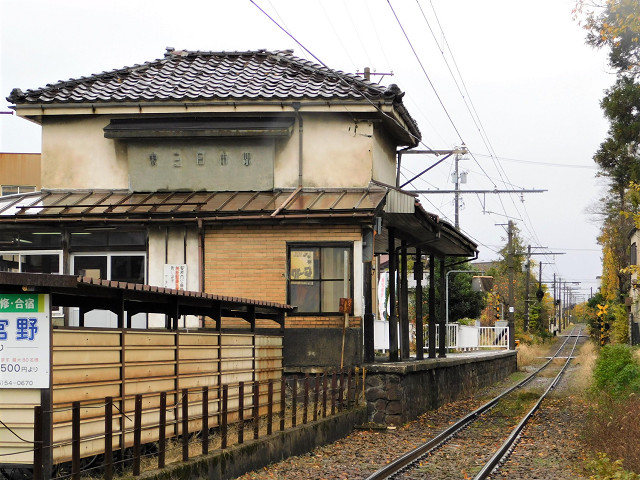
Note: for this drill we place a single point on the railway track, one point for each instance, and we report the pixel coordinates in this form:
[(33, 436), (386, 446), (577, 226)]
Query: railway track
[(489, 431)]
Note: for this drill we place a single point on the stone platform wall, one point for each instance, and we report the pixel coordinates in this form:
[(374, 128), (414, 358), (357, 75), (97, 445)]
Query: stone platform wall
[(399, 392)]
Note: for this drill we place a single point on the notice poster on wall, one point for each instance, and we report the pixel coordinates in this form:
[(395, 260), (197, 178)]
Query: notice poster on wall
[(24, 340), (175, 276), (301, 265)]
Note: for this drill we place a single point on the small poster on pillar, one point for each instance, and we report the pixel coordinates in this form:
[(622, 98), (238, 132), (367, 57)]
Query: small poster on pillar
[(175, 276)]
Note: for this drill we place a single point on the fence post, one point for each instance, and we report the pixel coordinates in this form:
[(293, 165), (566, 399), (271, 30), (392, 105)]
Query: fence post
[(38, 474), (162, 430), (324, 394), (294, 402), (349, 388), (108, 438), (315, 398), (283, 391), (185, 424), (341, 391), (256, 409), (225, 405), (270, 408), (75, 441), (306, 399), (137, 432), (334, 379), (241, 413), (205, 420)]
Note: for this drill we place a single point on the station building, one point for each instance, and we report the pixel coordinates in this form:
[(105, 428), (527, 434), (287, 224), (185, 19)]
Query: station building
[(252, 174)]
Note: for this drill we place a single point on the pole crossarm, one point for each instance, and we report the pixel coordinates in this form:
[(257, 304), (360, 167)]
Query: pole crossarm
[(424, 192)]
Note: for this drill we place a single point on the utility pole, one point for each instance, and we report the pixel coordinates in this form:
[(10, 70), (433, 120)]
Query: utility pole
[(512, 340), (457, 194), (555, 305), (526, 288)]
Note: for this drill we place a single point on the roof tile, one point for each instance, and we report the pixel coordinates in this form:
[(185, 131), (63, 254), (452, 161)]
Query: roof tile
[(249, 72), (195, 75)]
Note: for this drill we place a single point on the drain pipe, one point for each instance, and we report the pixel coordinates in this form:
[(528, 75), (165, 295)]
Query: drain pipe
[(296, 107)]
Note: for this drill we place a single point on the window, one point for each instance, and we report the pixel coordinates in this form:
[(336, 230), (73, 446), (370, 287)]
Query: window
[(13, 189), (633, 260), (316, 277), (31, 262), (124, 267), (110, 238)]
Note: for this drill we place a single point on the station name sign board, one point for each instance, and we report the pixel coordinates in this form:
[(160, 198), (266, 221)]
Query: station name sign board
[(24, 340)]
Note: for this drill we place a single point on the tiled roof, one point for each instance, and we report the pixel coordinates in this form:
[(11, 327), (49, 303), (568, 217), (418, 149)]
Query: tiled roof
[(197, 75)]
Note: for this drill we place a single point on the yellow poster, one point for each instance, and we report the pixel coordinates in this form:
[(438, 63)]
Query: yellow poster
[(301, 267)]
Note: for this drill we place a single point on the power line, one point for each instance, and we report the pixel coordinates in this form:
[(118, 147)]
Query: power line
[(424, 71), (335, 32), (545, 164), (340, 77), (364, 48)]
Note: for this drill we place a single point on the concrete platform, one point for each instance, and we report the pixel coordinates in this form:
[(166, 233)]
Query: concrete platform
[(398, 392)]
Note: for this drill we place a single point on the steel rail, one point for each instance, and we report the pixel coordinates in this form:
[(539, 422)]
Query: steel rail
[(505, 449), (410, 457)]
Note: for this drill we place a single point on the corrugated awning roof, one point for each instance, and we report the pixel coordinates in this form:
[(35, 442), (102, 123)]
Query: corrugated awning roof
[(332, 206), (115, 204)]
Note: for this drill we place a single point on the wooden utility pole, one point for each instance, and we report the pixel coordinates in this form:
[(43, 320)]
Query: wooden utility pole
[(511, 317), (526, 290)]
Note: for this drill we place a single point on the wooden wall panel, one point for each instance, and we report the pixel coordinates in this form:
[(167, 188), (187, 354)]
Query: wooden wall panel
[(91, 364)]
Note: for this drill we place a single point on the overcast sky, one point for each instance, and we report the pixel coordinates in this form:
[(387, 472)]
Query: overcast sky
[(512, 79)]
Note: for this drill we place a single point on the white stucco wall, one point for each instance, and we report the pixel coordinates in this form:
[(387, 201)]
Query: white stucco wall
[(338, 152), (384, 157), (75, 154), (167, 245)]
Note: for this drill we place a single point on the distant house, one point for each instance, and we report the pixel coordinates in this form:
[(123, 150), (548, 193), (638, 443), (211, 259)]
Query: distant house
[(252, 174)]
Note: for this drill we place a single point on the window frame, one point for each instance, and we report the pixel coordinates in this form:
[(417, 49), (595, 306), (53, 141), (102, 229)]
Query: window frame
[(55, 310), (20, 189), (108, 255), (319, 246)]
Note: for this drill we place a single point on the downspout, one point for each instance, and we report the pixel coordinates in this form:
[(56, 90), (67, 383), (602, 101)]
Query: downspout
[(296, 107), (200, 235)]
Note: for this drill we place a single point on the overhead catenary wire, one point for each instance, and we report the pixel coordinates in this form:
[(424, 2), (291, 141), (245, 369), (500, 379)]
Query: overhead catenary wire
[(340, 77), (425, 71), (362, 45), (335, 33), (474, 114), (499, 168)]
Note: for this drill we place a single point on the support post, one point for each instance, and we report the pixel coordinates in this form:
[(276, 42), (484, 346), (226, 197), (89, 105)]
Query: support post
[(393, 319), (368, 322), (417, 272), (442, 346), (404, 303), (432, 307)]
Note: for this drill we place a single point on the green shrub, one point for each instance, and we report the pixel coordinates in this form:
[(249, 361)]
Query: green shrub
[(604, 469), (620, 328), (616, 372)]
